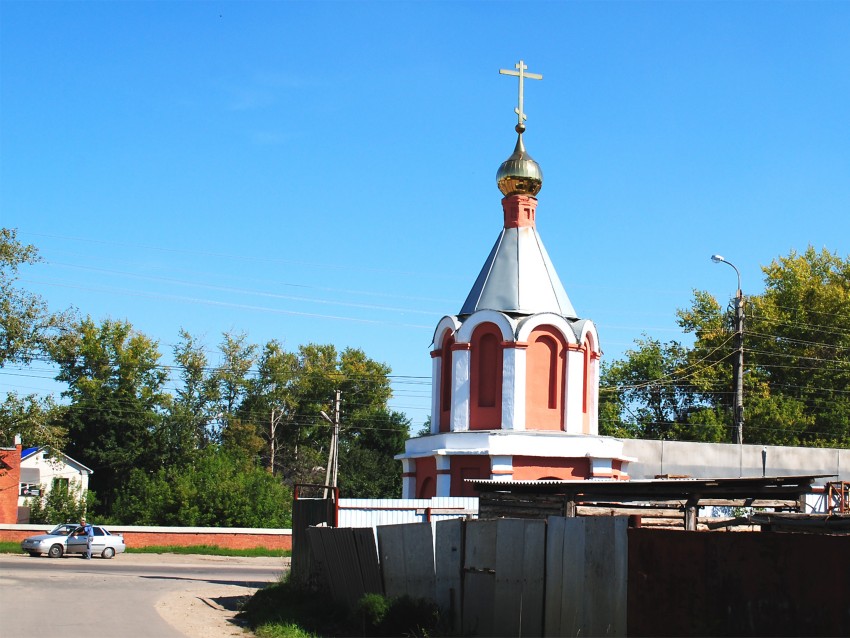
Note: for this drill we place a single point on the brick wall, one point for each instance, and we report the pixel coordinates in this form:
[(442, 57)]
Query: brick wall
[(10, 481), (137, 536)]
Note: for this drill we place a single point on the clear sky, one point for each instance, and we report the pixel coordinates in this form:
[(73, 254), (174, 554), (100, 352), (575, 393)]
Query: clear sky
[(325, 171)]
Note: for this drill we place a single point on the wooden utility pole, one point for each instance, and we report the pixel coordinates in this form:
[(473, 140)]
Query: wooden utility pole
[(333, 453)]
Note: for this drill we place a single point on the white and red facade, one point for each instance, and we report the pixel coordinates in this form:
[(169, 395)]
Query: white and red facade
[(515, 376)]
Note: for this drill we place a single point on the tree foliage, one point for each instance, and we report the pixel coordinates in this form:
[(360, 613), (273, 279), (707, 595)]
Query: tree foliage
[(27, 331), (797, 365), (60, 504), (223, 487), (27, 327), (115, 389), (39, 421), (225, 446)]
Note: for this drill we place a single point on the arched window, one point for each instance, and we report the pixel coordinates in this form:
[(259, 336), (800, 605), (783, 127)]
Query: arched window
[(486, 378), (446, 381), (545, 373), (427, 488)]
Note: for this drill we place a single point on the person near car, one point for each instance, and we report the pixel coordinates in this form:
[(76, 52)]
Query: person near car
[(88, 532)]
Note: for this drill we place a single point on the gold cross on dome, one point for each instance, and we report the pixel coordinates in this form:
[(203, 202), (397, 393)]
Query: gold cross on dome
[(520, 72)]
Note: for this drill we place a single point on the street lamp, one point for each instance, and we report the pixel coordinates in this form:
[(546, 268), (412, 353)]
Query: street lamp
[(738, 367)]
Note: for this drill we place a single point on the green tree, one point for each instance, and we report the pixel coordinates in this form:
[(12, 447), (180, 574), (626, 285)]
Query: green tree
[(222, 488), (27, 330), (368, 445), (115, 389), (271, 404), (284, 403), (187, 426), (797, 364), (58, 505), (27, 327), (237, 358), (651, 387), (37, 419)]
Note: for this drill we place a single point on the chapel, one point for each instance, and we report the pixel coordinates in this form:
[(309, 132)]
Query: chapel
[(515, 373)]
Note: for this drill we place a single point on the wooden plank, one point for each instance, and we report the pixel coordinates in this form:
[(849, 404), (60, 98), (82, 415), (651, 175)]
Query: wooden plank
[(392, 559), (507, 589), (479, 565), (449, 569), (407, 559), (573, 589), (419, 547), (620, 576), (533, 578), (367, 556), (555, 530), (323, 558), (345, 566), (597, 574), (605, 577)]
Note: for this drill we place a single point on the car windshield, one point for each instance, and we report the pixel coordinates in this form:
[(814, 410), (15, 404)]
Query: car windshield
[(63, 530)]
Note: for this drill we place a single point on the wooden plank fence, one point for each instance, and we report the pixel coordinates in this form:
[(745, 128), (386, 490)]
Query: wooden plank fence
[(347, 559), (504, 577), (407, 560)]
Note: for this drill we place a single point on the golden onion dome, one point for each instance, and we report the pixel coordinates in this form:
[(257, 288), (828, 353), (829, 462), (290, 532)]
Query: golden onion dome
[(519, 174)]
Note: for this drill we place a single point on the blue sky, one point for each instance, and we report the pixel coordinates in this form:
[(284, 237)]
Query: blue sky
[(325, 171)]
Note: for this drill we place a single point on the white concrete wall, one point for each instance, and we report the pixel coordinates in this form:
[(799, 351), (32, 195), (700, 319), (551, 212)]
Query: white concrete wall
[(728, 460)]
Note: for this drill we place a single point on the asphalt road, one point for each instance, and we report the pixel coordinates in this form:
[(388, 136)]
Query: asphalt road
[(114, 598)]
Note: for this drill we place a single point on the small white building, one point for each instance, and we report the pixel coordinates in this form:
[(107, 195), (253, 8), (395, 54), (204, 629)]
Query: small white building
[(44, 469)]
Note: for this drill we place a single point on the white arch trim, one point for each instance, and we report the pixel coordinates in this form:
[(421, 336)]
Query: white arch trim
[(504, 323), (449, 322), (558, 322), (588, 329)]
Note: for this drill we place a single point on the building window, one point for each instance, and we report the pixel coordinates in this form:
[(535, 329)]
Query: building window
[(30, 489), (446, 381), (486, 378), (546, 362)]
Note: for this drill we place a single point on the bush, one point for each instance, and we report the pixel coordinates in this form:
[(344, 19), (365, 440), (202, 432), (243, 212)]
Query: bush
[(59, 505), (378, 615), (370, 612), (279, 610)]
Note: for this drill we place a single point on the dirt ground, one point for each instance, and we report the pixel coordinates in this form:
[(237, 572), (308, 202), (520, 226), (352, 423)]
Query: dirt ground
[(208, 611)]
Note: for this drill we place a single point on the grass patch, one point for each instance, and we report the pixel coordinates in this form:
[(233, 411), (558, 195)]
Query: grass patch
[(10, 547), (287, 630), (209, 550), (283, 610)]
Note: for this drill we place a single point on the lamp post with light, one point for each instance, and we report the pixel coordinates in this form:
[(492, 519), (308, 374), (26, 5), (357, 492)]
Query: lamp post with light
[(738, 367)]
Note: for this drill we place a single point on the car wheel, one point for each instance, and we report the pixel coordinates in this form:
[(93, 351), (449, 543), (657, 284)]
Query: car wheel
[(108, 552), (35, 554), (55, 551)]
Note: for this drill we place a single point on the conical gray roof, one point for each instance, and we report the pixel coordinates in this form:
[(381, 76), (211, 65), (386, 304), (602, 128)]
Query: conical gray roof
[(518, 277)]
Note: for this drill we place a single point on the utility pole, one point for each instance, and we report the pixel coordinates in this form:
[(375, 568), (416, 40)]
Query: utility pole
[(333, 453), (335, 474), (738, 363), (738, 373)]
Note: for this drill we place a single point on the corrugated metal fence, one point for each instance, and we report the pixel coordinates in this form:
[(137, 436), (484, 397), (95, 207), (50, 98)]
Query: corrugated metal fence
[(506, 577), (370, 512)]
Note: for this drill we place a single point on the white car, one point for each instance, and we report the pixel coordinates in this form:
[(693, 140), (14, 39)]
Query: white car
[(69, 538)]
